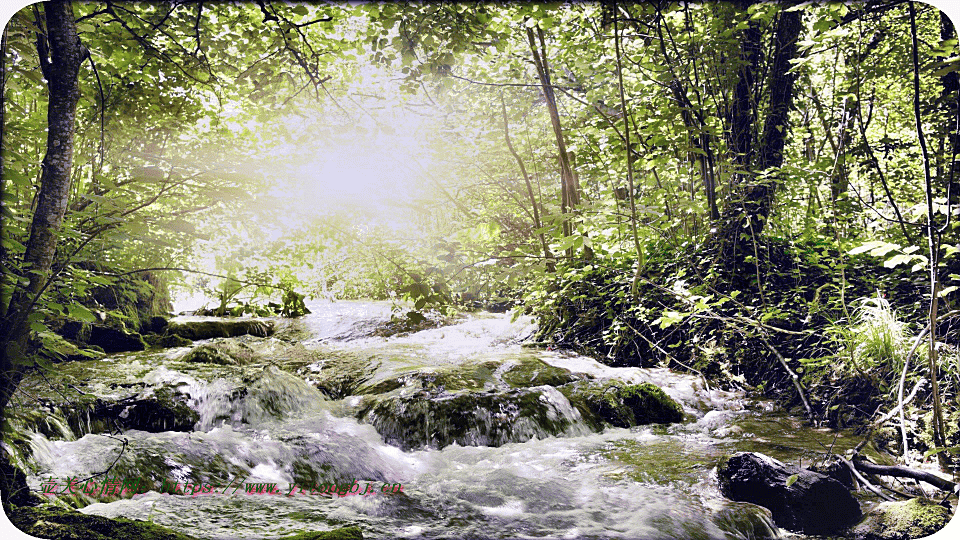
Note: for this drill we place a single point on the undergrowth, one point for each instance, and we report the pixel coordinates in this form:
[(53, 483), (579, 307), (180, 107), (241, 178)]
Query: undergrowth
[(843, 324)]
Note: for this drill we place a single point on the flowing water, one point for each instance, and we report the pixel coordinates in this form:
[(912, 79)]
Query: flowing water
[(427, 416)]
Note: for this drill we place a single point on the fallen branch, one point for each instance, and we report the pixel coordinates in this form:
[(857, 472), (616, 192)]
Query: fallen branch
[(904, 472)]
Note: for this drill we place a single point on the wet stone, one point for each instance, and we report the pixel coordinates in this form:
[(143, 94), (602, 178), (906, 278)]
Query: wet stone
[(113, 340), (166, 341), (223, 352), (801, 500)]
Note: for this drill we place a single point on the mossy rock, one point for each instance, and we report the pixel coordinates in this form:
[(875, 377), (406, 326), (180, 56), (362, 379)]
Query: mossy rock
[(419, 419), (622, 405), (346, 533), (534, 372), (220, 328), (166, 341), (437, 381), (339, 375), (63, 524), (902, 520), (224, 353)]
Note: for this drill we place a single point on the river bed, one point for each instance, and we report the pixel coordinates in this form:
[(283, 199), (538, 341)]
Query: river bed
[(294, 417)]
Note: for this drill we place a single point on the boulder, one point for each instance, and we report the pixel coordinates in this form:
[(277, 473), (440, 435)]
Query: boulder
[(800, 500), (622, 405), (58, 349), (155, 324), (902, 520), (214, 328), (534, 372)]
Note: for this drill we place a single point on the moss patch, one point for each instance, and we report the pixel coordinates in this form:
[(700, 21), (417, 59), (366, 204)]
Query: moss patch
[(346, 533), (902, 520), (63, 524)]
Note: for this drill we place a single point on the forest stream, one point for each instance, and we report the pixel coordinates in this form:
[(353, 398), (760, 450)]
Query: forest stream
[(316, 402)]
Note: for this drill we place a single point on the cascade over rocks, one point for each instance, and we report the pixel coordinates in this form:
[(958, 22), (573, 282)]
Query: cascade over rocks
[(811, 503)]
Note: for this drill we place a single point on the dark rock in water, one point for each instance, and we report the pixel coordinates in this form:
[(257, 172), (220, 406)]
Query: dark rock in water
[(346, 533), (115, 339), (622, 405), (166, 341), (156, 324), (902, 520), (801, 500), (63, 524), (472, 418), (220, 328), (412, 321), (165, 410), (109, 338)]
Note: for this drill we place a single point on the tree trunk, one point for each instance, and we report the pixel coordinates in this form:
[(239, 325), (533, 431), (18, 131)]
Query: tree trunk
[(754, 192), (60, 55)]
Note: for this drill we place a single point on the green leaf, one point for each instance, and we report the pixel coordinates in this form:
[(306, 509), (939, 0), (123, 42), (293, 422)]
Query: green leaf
[(80, 312), (793, 478)]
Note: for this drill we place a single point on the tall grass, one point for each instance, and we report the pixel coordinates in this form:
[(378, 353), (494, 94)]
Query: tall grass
[(878, 338)]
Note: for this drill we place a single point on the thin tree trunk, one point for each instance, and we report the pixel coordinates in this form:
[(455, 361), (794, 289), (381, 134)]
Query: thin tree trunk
[(569, 190), (547, 256), (933, 245)]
